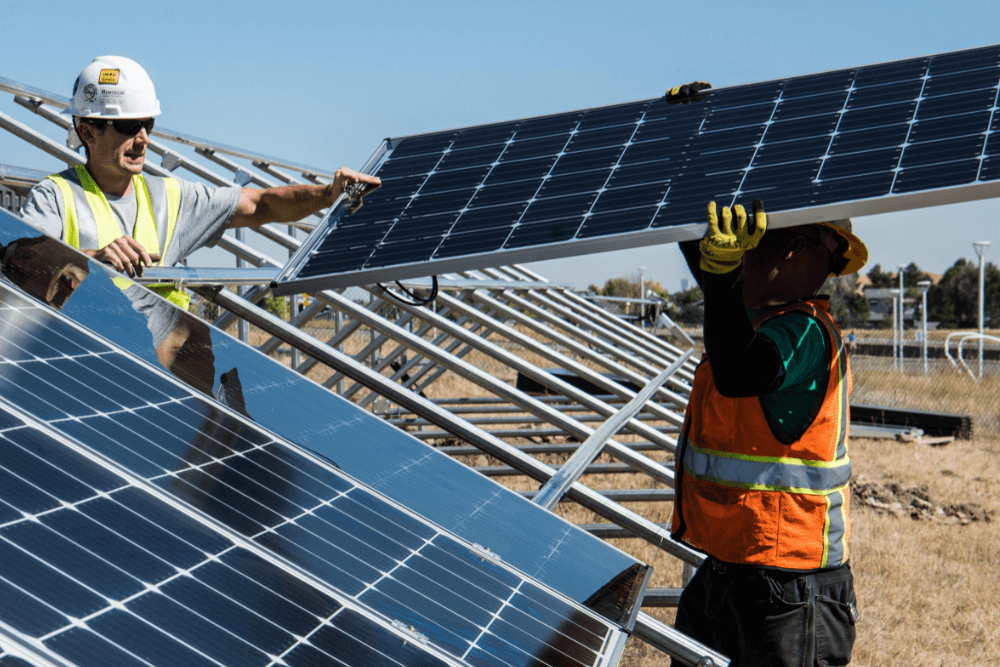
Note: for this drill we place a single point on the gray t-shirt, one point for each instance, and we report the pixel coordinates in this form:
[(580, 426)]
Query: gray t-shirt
[(202, 219)]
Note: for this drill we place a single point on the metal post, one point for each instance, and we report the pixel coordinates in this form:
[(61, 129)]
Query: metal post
[(902, 323), (980, 247), (895, 334), (642, 297), (923, 286), (293, 302), (242, 329), (554, 489), (338, 325)]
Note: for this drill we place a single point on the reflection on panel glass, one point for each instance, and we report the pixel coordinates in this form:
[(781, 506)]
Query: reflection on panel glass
[(198, 452), (256, 490), (180, 439), (98, 572), (429, 483), (544, 184)]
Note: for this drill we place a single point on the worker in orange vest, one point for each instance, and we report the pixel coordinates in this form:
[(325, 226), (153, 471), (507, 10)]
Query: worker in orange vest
[(762, 467)]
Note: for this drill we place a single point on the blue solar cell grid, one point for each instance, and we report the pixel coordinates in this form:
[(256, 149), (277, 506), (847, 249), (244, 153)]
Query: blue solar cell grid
[(98, 567), (562, 556), (563, 184)]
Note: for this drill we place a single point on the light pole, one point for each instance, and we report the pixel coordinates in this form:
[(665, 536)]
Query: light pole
[(923, 286), (642, 297), (980, 247), (895, 330), (902, 308)]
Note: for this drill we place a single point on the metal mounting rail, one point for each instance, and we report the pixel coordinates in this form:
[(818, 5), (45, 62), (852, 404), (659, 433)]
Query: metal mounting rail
[(556, 488)]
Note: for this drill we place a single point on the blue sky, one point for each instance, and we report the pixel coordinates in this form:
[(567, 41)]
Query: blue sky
[(323, 83)]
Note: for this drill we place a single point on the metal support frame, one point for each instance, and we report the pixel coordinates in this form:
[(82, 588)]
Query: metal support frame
[(553, 490), (559, 385), (576, 326), (459, 427), (583, 351)]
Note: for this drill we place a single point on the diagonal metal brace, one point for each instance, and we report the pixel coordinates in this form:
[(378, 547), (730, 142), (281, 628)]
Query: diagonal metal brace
[(557, 486)]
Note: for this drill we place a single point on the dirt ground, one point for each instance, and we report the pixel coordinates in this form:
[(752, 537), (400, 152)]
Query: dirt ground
[(925, 551)]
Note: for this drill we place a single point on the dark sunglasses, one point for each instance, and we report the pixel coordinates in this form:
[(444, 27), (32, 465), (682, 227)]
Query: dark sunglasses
[(127, 127)]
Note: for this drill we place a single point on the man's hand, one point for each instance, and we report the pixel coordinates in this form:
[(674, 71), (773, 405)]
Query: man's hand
[(723, 247), (687, 93), (355, 185), (125, 254), (289, 203)]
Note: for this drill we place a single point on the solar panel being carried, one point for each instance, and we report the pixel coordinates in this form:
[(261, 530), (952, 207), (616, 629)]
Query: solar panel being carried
[(142, 522), (859, 141)]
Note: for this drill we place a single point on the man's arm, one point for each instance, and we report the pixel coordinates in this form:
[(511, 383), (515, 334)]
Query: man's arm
[(743, 362), (293, 202)]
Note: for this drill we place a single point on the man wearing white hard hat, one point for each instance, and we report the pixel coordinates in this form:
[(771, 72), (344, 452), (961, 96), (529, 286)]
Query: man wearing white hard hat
[(113, 212)]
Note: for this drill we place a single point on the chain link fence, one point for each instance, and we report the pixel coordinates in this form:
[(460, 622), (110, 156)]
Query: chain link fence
[(898, 375), (894, 375)]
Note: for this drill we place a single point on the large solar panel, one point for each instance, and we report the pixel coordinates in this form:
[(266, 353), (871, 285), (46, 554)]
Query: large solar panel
[(99, 572), (856, 141), (141, 522), (569, 560)]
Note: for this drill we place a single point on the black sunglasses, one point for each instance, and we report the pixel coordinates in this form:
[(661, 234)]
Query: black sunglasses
[(127, 127)]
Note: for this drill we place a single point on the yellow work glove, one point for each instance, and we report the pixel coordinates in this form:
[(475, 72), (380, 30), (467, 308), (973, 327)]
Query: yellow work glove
[(687, 93), (723, 247)]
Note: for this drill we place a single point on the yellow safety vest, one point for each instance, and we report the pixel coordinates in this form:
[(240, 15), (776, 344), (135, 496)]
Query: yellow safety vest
[(108, 229)]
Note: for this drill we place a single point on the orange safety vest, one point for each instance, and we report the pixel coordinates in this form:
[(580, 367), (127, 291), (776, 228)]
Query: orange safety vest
[(743, 496)]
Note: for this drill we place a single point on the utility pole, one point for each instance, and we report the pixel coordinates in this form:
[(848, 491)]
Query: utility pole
[(902, 310), (980, 248), (642, 297), (923, 286)]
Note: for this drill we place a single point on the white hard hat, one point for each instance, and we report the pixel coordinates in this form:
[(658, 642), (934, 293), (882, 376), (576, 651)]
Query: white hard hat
[(114, 87)]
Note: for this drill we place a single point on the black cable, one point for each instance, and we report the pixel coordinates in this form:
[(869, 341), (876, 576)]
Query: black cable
[(414, 299)]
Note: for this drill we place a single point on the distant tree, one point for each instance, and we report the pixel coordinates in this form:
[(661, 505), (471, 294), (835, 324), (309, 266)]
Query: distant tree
[(687, 306), (954, 301), (627, 287), (276, 305), (911, 276), (881, 279), (991, 309), (941, 309), (846, 306)]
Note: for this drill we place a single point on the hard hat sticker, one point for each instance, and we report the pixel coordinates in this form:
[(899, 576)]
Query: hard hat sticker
[(109, 77)]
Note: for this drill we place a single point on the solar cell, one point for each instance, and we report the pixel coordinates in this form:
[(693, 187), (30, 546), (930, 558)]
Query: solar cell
[(99, 567), (865, 140), (106, 573), (81, 388)]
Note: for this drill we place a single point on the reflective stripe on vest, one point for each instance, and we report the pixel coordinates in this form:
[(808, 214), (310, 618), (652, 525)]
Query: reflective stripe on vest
[(145, 230), (766, 472), (743, 496)]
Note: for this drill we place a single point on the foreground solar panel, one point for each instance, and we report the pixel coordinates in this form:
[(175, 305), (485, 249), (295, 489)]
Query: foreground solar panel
[(141, 520), (857, 141)]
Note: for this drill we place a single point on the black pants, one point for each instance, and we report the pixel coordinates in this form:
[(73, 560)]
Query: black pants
[(759, 616)]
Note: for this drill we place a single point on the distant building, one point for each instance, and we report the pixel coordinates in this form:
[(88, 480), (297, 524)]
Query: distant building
[(880, 306), (880, 303)]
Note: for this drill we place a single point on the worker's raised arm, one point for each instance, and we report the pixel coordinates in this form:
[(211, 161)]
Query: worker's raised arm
[(289, 203), (744, 363)]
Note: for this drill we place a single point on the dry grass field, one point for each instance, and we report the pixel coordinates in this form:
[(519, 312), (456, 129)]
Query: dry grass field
[(927, 587), (926, 521)]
